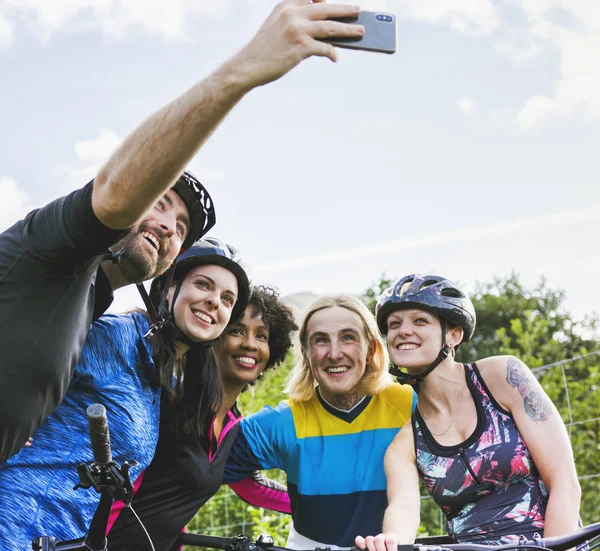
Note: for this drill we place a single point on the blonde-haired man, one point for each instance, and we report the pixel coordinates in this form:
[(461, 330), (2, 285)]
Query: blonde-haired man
[(331, 436)]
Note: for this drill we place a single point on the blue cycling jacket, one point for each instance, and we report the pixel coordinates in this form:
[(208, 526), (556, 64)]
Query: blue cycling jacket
[(36, 485)]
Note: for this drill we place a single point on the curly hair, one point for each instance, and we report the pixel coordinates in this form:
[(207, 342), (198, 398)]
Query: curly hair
[(279, 320)]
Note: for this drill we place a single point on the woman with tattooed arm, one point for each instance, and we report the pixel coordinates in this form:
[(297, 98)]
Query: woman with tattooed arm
[(488, 443)]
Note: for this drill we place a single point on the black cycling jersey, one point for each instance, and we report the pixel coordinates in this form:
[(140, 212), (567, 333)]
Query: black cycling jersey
[(182, 477), (50, 289)]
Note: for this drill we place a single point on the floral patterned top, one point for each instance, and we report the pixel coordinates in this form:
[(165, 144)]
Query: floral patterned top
[(487, 486)]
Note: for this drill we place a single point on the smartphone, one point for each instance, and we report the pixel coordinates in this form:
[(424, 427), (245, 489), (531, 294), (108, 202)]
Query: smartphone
[(380, 33)]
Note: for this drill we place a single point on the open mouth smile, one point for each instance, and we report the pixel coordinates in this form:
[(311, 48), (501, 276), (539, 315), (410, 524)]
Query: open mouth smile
[(337, 369), (152, 239), (407, 346), (245, 361), (203, 317)]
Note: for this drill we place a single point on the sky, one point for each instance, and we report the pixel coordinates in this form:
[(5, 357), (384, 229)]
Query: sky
[(472, 152)]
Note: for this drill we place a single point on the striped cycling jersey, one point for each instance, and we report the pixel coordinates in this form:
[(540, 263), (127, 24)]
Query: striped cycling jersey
[(333, 460), (488, 486)]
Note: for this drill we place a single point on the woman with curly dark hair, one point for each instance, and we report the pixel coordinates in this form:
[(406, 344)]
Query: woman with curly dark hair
[(184, 474), (239, 370)]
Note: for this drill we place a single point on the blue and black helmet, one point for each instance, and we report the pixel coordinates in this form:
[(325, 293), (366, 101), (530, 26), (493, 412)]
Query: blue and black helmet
[(428, 292)]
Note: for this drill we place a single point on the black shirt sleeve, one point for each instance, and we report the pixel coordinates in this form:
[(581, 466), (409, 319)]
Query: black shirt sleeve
[(58, 236)]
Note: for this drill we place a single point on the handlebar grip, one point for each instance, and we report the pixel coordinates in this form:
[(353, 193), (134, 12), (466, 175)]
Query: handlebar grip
[(99, 436)]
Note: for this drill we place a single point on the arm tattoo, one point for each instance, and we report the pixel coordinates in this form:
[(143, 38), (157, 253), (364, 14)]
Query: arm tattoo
[(536, 405), (345, 401)]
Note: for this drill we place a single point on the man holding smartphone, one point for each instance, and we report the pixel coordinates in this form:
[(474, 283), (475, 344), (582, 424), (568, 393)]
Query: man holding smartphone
[(50, 261)]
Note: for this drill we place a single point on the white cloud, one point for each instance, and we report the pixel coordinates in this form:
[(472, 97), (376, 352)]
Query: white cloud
[(97, 150), (535, 110), (465, 105), (14, 202), (91, 154), (467, 16), (172, 20), (6, 32), (572, 29)]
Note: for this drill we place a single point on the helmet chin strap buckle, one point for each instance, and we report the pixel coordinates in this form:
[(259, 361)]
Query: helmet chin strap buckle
[(155, 327), (405, 378), (415, 380), (114, 256)]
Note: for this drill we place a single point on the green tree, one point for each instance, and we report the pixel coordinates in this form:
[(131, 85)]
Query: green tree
[(531, 322)]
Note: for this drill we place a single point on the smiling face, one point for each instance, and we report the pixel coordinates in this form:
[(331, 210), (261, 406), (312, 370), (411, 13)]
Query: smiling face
[(243, 350), (204, 304), (336, 350), (153, 243), (415, 338)]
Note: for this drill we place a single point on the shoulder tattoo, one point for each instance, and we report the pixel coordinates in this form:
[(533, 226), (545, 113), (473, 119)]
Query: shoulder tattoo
[(536, 403)]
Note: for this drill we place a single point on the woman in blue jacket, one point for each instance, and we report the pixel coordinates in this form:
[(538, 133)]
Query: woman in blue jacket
[(127, 364)]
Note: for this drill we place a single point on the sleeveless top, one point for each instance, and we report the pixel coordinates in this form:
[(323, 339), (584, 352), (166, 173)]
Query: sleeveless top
[(487, 486)]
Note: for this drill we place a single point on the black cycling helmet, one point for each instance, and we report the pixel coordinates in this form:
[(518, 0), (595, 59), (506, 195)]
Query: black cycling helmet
[(200, 207), (207, 250), (435, 294)]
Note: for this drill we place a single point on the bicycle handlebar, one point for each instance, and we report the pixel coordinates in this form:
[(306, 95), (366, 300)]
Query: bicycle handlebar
[(99, 435), (556, 543), (107, 477)]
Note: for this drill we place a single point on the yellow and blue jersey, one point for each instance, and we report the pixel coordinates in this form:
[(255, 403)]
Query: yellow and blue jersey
[(333, 459)]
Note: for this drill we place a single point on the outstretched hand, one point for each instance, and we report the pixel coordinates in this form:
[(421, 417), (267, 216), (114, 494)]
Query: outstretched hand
[(290, 34), (381, 542)]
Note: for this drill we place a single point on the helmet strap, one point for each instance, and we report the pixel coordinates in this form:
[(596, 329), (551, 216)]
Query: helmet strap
[(415, 380), (163, 317), (173, 330), (158, 316)]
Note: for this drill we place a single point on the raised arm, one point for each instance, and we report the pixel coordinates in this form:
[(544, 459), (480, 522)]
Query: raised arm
[(153, 156), (539, 422), (403, 514)]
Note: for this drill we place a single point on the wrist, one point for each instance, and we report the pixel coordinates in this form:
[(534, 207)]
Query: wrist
[(234, 78)]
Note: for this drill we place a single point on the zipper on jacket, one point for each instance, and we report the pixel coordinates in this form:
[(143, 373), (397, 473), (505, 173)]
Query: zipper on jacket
[(461, 453)]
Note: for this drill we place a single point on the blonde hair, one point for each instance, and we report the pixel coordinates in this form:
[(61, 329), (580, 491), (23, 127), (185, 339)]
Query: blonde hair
[(301, 383)]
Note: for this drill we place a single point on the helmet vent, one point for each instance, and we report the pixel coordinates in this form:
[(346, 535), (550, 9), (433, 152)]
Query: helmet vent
[(451, 292)]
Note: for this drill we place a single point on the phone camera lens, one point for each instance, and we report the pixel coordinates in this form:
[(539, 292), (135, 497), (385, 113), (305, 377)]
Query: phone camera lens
[(383, 17)]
